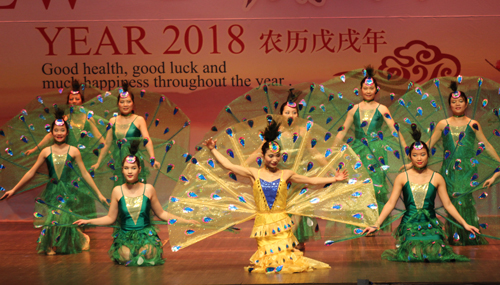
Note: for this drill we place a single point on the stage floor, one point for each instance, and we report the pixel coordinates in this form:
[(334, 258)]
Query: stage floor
[(220, 260)]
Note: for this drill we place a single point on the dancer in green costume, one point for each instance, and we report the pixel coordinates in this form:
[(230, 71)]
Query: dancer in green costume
[(78, 122), (136, 242), (459, 134), (367, 118), (83, 132), (63, 194), (307, 228), (458, 181), (420, 235), (125, 128)]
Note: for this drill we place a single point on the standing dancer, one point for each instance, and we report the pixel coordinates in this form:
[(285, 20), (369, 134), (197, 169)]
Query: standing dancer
[(459, 134), (77, 120), (62, 194), (368, 117), (307, 228), (124, 128), (136, 242), (83, 132), (420, 235)]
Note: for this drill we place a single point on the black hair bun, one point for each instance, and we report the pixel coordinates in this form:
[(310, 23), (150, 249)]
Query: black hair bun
[(292, 97), (369, 71), (415, 133), (454, 86), (75, 85), (272, 131), (134, 147), (59, 114), (125, 86)]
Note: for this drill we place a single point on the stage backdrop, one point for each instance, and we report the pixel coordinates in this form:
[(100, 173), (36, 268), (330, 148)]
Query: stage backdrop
[(203, 54)]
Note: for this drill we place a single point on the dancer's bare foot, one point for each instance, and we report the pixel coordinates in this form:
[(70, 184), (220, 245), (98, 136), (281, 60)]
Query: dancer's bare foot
[(301, 246), (50, 252), (86, 246)]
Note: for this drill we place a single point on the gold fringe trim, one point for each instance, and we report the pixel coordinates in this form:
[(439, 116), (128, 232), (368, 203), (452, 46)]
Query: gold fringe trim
[(273, 228), (276, 249)]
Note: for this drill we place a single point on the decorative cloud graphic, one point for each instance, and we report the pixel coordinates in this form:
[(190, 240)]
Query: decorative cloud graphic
[(420, 62)]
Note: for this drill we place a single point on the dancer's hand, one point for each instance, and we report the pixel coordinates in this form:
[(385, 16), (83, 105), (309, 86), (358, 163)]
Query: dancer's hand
[(157, 165), (406, 166), (471, 229), (103, 199), (30, 151), (81, 222), (369, 230), (339, 176), (95, 166), (190, 222), (8, 194), (182, 220), (210, 143), (488, 183)]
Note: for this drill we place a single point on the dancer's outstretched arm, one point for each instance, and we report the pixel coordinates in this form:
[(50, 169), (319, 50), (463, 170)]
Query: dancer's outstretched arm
[(237, 169), (445, 199), (96, 131), (85, 174), (489, 149), (45, 141), (141, 125), (41, 157), (110, 218), (390, 123), (107, 144), (347, 125), (389, 206), (296, 178)]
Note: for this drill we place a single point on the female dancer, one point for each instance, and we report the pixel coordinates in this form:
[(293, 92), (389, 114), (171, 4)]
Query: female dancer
[(124, 128), (136, 242), (458, 180), (307, 228), (275, 250), (367, 118), (78, 122), (62, 193), (420, 235)]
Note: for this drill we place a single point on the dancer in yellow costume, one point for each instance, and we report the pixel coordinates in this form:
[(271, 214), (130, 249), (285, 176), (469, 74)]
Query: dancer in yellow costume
[(272, 227), (219, 189)]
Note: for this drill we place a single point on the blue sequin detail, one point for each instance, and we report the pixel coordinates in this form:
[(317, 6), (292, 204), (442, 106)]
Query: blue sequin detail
[(270, 190)]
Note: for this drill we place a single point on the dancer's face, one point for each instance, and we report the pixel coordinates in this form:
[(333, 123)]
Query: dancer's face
[(75, 99), (289, 112), (458, 106), (419, 157), (59, 133), (368, 91), (125, 105), (271, 159), (131, 171)]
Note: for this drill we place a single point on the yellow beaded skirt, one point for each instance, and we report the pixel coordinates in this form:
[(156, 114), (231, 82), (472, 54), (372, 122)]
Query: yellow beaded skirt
[(276, 242), (219, 199)]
